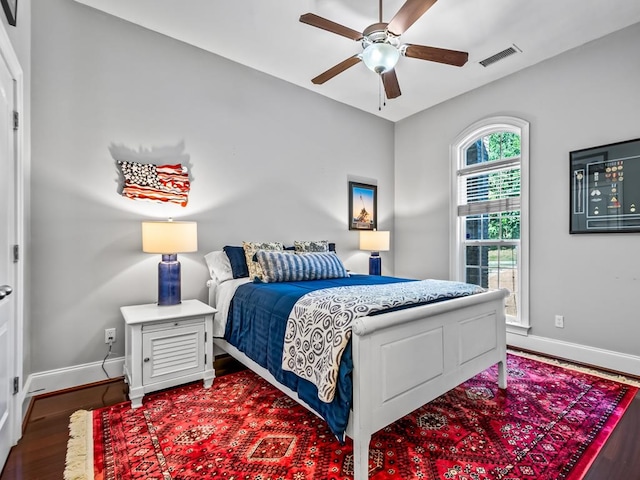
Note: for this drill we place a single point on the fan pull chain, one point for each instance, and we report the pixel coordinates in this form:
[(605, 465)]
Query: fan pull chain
[(382, 98)]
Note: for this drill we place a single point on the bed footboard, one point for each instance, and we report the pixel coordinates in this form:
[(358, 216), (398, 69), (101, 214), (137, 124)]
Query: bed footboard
[(405, 359)]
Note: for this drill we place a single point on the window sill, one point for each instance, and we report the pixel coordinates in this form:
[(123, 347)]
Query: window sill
[(518, 329)]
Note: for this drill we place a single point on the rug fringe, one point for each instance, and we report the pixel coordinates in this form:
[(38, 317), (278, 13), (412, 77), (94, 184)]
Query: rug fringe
[(79, 462), (578, 368)]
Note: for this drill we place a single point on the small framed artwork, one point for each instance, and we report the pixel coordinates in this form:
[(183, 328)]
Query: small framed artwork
[(605, 188), (10, 8), (363, 206)]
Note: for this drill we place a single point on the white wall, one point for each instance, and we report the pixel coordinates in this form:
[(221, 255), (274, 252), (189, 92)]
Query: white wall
[(583, 98), (270, 161)]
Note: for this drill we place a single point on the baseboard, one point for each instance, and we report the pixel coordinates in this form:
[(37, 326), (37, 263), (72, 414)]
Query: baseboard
[(63, 378), (607, 359)]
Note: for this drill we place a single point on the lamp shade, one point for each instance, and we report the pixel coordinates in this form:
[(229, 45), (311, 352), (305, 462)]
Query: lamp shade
[(374, 240), (169, 237)]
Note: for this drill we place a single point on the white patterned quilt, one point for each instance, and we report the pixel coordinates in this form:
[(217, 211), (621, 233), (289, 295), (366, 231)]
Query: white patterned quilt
[(319, 325)]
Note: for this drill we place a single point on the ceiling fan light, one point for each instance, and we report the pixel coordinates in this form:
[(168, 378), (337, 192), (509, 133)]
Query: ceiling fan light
[(380, 57)]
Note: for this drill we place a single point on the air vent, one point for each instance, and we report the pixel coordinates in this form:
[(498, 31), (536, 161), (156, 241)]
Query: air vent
[(499, 56)]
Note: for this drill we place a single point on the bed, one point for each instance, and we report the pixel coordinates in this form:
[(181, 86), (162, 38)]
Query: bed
[(401, 359)]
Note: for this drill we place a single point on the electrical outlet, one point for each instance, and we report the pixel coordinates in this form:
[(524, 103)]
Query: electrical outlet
[(109, 335), (559, 321)]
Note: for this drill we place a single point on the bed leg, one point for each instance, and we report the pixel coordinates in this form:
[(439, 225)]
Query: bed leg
[(361, 457), (502, 374)]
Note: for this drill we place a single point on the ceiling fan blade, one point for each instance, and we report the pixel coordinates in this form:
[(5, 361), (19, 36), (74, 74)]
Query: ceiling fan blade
[(433, 54), (328, 25), (336, 69), (391, 85), (408, 14)]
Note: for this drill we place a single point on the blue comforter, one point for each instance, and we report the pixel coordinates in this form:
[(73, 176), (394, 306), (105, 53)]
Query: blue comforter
[(256, 324)]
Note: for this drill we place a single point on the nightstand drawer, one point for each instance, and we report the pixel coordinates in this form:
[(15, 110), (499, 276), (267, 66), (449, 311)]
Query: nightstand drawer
[(152, 327)]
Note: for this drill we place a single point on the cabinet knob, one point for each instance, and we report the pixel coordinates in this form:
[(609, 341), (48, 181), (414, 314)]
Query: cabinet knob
[(146, 359)]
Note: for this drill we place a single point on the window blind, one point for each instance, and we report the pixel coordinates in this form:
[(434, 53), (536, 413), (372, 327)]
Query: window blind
[(482, 190)]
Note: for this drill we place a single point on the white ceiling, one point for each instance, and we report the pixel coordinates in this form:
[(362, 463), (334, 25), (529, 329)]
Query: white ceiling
[(267, 36)]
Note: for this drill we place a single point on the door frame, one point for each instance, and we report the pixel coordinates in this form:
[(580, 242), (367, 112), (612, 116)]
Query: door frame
[(11, 59)]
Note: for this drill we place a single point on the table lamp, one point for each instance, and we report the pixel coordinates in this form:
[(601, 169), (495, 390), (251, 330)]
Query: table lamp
[(169, 238), (376, 242)]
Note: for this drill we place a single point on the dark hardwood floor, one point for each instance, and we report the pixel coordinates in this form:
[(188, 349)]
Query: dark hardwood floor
[(619, 459), (40, 454)]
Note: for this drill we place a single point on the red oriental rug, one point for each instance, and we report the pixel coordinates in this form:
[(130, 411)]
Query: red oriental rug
[(549, 424)]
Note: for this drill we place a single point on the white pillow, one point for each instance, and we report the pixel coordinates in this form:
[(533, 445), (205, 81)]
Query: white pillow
[(219, 266)]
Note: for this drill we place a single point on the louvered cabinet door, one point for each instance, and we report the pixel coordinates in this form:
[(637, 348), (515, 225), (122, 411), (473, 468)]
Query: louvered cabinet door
[(172, 350)]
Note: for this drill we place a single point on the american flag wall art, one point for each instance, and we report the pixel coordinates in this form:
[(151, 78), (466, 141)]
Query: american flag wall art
[(159, 183)]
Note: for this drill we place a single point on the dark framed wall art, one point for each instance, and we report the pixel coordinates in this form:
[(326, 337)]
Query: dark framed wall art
[(605, 188), (363, 206), (10, 8)]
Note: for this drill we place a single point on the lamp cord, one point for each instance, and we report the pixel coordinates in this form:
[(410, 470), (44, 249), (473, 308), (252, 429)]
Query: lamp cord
[(105, 359)]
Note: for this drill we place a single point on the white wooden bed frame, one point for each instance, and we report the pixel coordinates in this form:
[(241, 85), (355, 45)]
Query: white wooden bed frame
[(404, 359)]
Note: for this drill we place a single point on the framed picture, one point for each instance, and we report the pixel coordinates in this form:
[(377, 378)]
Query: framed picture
[(363, 206), (10, 8), (605, 188)]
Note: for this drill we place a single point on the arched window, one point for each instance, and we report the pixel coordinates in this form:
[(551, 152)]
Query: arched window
[(490, 211)]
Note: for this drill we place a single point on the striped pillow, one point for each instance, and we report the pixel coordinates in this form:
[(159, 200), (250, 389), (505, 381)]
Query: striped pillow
[(282, 267)]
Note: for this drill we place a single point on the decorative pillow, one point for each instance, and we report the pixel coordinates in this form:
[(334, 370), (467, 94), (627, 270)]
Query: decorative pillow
[(237, 260), (219, 266), (311, 246), (282, 267), (250, 249)]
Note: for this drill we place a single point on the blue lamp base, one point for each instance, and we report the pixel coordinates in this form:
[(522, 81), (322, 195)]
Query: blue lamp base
[(375, 264), (169, 280)]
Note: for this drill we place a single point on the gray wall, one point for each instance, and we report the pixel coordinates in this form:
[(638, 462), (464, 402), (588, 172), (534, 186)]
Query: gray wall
[(270, 161), (583, 98)]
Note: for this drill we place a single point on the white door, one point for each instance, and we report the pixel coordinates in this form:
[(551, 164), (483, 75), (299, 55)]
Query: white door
[(8, 270)]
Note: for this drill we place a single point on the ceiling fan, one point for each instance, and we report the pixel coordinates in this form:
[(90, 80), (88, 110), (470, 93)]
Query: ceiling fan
[(381, 45)]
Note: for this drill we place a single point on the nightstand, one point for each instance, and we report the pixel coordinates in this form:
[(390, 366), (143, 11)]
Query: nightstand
[(167, 346)]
